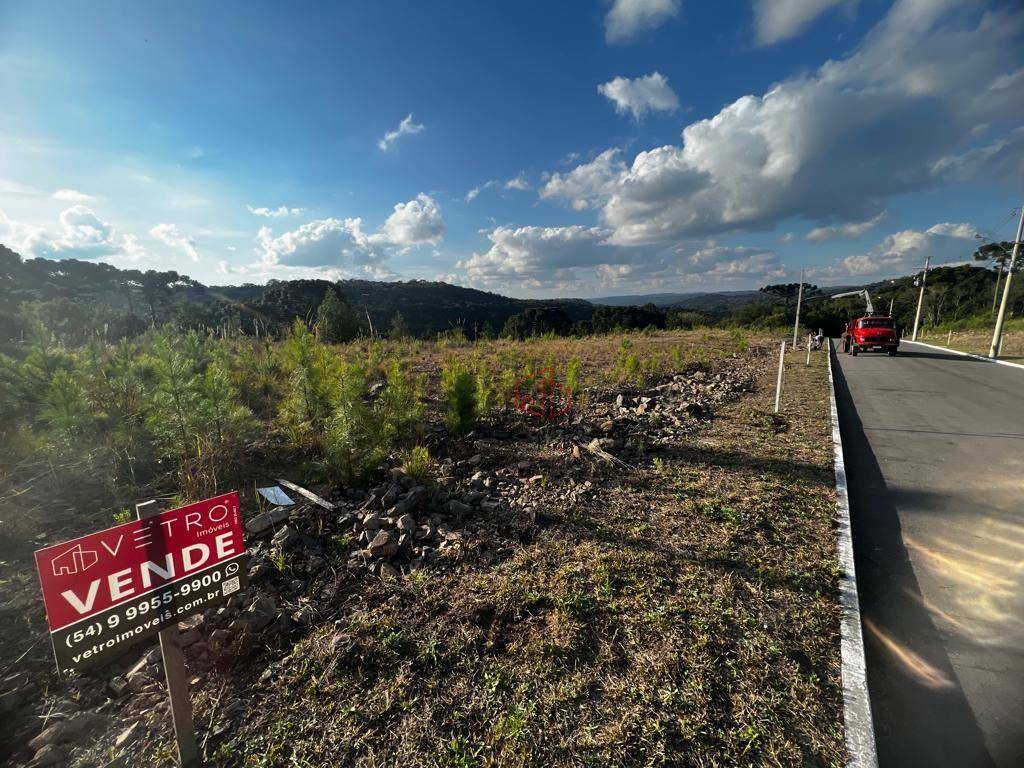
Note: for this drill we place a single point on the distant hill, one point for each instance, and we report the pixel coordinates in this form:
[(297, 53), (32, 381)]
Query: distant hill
[(105, 295), (712, 303)]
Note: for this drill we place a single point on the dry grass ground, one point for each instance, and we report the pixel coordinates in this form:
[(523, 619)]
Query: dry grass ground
[(683, 615), (978, 342), (678, 611)]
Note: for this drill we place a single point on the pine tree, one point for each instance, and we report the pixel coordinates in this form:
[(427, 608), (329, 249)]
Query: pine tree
[(399, 328), (336, 323)]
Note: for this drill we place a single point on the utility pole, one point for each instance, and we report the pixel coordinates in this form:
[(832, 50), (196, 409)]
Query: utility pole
[(799, 299), (999, 277), (891, 301), (920, 296), (997, 334)]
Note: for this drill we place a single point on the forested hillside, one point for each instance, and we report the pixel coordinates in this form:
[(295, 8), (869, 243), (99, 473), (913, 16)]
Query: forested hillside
[(81, 297)]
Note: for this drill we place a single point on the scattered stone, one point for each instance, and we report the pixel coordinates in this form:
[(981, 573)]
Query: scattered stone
[(411, 501), (118, 686), (49, 755), (287, 537), (264, 521), (456, 507), (388, 571), (406, 523), (261, 612), (383, 545), (51, 735), (80, 726), (128, 735)]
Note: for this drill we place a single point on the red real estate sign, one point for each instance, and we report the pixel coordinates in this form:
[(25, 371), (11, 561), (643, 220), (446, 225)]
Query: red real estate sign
[(106, 591)]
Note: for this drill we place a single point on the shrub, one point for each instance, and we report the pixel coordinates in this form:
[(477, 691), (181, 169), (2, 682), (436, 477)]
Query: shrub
[(353, 441), (66, 409), (400, 405), (485, 389), (628, 366), (417, 464), (738, 339), (336, 323), (174, 418), (452, 337), (227, 420), (572, 376), (306, 405), (459, 389)]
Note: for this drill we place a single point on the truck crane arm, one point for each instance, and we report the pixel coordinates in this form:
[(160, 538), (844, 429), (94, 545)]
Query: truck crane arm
[(863, 293)]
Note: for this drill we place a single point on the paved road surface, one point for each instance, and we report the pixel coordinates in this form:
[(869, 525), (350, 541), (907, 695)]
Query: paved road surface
[(934, 448)]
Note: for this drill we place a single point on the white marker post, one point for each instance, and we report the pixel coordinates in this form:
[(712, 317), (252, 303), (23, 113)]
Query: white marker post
[(799, 301), (177, 680), (778, 383), (810, 337)]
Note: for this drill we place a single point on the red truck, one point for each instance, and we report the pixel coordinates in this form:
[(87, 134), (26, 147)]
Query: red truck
[(870, 332)]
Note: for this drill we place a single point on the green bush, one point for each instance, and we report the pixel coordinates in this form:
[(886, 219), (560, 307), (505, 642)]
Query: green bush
[(459, 387), (354, 441), (573, 370), (400, 405), (306, 405), (417, 464), (336, 323)]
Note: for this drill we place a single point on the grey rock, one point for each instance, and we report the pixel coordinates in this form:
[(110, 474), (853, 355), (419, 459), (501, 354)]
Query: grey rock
[(411, 500), (128, 735), (383, 545), (50, 735), (456, 507), (118, 686), (49, 755), (372, 522), (388, 571), (264, 521), (287, 537), (261, 612), (406, 523)]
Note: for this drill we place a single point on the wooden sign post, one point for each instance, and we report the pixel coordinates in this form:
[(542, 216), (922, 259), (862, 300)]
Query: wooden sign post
[(177, 679), (110, 590)]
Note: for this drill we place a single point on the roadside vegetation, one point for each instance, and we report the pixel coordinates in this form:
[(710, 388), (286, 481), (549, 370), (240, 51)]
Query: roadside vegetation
[(660, 588)]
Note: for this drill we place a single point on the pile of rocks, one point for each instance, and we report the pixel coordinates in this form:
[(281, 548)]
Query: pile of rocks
[(660, 415)]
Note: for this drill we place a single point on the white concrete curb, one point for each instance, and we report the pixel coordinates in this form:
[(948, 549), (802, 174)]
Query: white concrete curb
[(860, 734), (963, 354)]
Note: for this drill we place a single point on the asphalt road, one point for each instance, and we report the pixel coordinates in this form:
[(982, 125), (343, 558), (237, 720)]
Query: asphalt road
[(934, 450)]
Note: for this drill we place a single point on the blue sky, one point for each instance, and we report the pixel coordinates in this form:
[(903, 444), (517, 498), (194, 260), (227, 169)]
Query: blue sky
[(574, 149)]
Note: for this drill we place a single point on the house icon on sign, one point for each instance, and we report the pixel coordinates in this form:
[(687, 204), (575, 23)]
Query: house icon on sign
[(75, 560)]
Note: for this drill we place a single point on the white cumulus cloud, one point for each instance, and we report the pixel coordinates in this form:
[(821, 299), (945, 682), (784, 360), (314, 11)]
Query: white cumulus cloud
[(581, 259), (849, 229), (169, 234), (84, 235), (415, 222), (519, 183), (341, 248), (778, 20), (405, 128), (72, 196), (892, 117), (904, 252), (588, 184), (650, 93), (274, 213), (627, 18)]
